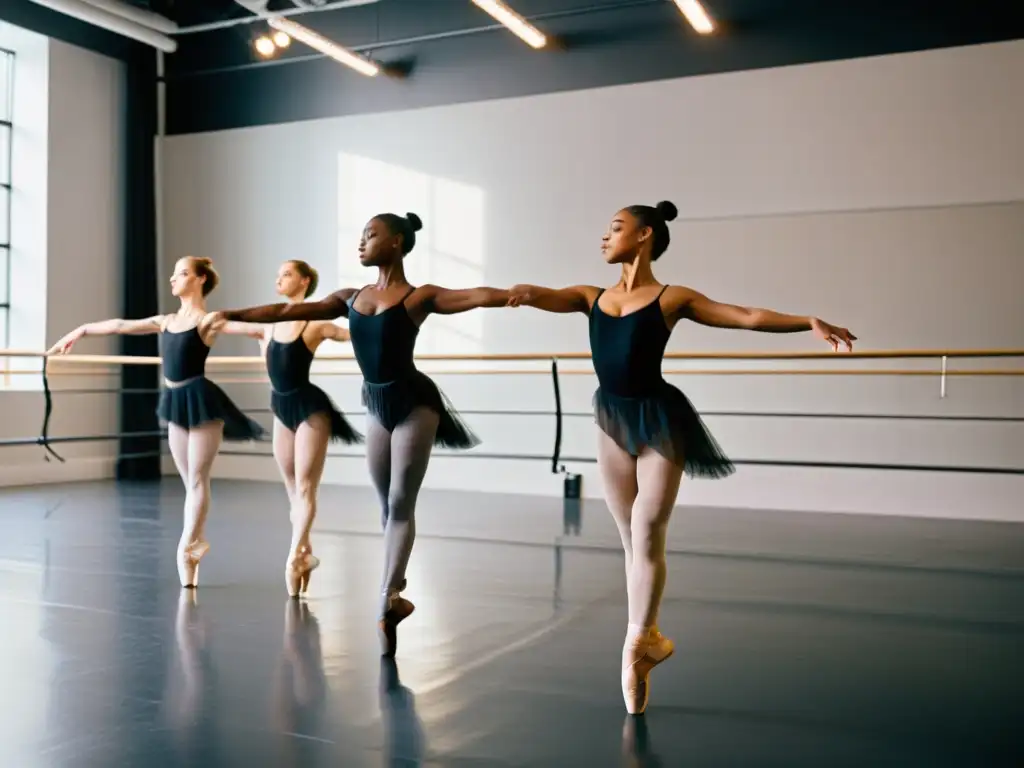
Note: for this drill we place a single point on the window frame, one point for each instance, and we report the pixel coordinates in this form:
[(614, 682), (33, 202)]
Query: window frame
[(7, 125)]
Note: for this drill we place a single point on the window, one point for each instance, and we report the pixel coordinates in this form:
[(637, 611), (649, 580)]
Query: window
[(449, 249), (6, 139)]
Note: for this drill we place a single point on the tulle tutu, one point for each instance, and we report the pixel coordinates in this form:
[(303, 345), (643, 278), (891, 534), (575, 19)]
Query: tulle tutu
[(294, 407), (200, 401), (391, 404), (668, 423)]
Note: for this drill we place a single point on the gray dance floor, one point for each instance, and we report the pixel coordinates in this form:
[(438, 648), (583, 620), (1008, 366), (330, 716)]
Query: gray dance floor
[(802, 639)]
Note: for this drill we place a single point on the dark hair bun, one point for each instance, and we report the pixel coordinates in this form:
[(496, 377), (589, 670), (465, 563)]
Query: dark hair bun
[(667, 210), (414, 222)]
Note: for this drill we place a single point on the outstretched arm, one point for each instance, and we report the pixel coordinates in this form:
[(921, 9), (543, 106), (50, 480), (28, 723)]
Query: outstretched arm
[(443, 301), (575, 298), (700, 309), (332, 332), (335, 305), (113, 327), (216, 324)]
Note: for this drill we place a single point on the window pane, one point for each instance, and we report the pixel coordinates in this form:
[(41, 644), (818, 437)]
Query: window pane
[(3, 337), (5, 297), (5, 154), (5, 208), (6, 78)]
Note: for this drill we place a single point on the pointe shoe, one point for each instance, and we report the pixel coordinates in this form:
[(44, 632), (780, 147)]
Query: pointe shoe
[(640, 655), (397, 609), (298, 570), (188, 562)]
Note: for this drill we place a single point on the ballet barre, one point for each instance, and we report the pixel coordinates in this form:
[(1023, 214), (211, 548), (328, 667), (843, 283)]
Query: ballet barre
[(240, 370)]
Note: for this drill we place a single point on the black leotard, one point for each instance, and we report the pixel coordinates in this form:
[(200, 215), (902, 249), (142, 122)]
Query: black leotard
[(384, 344), (289, 362), (195, 400), (634, 405), (294, 398), (627, 351), (184, 354)]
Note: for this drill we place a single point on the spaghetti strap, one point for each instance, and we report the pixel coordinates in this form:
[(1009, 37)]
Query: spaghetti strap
[(352, 298), (597, 298)]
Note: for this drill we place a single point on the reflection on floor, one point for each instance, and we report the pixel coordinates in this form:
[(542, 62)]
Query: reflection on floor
[(802, 640)]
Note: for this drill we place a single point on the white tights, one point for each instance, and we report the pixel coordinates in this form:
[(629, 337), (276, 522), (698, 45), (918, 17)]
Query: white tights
[(300, 456), (194, 451), (640, 492)]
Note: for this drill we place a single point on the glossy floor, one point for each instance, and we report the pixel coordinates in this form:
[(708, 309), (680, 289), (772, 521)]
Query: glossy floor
[(803, 640)]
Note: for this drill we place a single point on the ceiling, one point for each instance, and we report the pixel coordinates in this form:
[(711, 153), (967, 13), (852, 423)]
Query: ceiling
[(379, 26), (450, 51)]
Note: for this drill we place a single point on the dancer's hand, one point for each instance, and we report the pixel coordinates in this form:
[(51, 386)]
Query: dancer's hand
[(519, 295), (833, 334), (64, 346), (215, 321)]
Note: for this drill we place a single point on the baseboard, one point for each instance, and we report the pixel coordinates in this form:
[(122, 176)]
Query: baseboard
[(71, 471), (841, 491)]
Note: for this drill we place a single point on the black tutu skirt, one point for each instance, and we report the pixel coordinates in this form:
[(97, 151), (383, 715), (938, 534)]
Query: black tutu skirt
[(200, 401), (294, 407), (391, 404), (666, 422)]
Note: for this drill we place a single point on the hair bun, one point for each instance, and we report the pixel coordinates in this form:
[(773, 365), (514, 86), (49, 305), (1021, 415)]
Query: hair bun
[(667, 210), (414, 222)]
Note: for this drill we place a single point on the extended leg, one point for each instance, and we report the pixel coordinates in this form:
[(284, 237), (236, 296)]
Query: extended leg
[(284, 455), (378, 462), (203, 444), (311, 440), (618, 473), (658, 480), (411, 444), (645, 646)]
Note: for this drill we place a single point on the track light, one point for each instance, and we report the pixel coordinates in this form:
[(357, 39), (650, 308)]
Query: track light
[(323, 45), (516, 24), (264, 46), (696, 15), (281, 40)]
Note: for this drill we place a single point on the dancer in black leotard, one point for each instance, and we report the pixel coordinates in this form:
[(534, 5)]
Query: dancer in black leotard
[(649, 432), (305, 419), (198, 413), (408, 414)]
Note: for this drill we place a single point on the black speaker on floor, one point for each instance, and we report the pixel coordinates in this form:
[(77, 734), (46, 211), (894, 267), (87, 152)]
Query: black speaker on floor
[(573, 485)]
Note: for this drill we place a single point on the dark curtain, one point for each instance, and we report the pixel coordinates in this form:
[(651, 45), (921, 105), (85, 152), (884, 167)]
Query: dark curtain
[(140, 455)]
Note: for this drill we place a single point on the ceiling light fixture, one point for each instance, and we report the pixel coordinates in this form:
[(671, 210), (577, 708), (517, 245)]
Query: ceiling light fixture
[(516, 24), (326, 47), (264, 46), (696, 15), (281, 40)]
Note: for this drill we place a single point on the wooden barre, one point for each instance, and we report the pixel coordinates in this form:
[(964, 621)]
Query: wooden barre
[(533, 356), (584, 372)]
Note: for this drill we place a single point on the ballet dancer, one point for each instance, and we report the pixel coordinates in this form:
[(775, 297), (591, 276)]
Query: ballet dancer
[(407, 413), (649, 433), (198, 413), (305, 419)]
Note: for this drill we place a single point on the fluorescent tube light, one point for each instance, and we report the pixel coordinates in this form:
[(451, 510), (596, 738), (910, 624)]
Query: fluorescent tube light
[(516, 24)]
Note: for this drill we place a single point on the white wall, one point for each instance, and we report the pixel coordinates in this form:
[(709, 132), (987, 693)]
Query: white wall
[(66, 245), (886, 194)]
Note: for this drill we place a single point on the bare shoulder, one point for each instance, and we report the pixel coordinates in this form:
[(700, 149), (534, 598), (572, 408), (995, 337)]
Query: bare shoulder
[(316, 328), (344, 294), (678, 296)]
